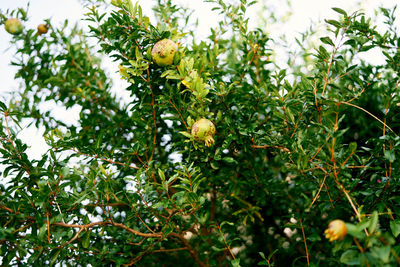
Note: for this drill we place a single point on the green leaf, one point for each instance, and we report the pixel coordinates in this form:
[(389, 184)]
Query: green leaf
[(373, 222), (381, 253), (395, 227), (323, 52), (54, 258), (188, 135), (86, 239), (226, 222), (229, 160), (350, 257), (42, 232), (356, 230), (65, 171), (327, 40), (366, 48), (161, 174), (314, 237), (353, 146), (389, 155), (218, 249), (235, 262), (3, 107), (334, 23), (340, 11)]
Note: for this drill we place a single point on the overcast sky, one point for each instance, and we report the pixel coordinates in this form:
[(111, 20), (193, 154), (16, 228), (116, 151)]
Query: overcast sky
[(304, 13)]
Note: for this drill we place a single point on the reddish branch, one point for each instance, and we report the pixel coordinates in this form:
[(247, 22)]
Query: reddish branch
[(192, 252), (154, 115), (120, 225), (268, 146), (5, 208), (160, 235), (16, 212), (169, 250), (180, 115), (305, 243)]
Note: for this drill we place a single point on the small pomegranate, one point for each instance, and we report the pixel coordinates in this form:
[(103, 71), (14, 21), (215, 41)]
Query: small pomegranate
[(42, 29), (116, 3), (13, 26), (337, 230), (204, 130), (163, 52)]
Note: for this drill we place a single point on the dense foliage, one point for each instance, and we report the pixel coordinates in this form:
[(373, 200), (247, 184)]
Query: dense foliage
[(295, 147)]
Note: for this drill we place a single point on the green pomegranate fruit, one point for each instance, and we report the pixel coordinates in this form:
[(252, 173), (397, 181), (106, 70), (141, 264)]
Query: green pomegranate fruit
[(116, 3), (13, 26), (204, 130), (337, 230), (42, 29), (163, 52)]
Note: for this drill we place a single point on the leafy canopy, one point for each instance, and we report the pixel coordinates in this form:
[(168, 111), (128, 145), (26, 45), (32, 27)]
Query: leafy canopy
[(295, 147)]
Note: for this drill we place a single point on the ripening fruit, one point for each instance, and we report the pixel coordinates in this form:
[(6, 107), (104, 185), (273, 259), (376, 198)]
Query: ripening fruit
[(117, 3), (163, 52), (13, 26), (204, 130), (337, 230), (42, 29)]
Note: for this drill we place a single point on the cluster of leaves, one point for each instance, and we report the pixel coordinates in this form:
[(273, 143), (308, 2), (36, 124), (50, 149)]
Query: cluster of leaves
[(127, 184)]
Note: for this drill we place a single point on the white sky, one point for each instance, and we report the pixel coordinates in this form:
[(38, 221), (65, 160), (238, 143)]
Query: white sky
[(305, 13)]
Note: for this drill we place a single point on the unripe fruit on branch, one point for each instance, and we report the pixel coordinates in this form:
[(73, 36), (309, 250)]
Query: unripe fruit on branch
[(204, 130), (42, 29), (163, 52), (337, 230), (116, 3), (13, 26)]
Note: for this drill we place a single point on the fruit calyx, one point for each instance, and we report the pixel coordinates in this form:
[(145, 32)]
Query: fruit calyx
[(204, 130), (163, 52)]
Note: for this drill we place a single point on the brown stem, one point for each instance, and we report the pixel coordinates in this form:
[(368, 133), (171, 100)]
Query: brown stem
[(169, 250), (192, 252), (268, 146), (305, 243), (120, 225)]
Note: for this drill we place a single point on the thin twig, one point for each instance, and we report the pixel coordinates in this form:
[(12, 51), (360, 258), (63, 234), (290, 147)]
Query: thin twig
[(268, 146), (369, 113), (305, 243), (169, 250), (120, 225), (320, 188)]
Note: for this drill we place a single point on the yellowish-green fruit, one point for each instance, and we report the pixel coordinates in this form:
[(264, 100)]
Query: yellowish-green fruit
[(117, 3), (163, 52), (337, 230), (42, 29), (203, 130), (13, 26)]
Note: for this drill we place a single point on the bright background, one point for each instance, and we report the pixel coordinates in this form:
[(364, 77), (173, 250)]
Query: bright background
[(298, 16)]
